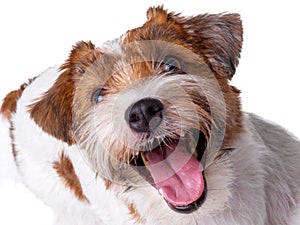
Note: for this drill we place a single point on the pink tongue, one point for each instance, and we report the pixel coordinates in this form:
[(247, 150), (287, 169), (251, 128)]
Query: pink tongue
[(177, 174)]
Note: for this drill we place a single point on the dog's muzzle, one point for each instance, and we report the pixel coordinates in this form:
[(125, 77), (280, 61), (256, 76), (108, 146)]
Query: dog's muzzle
[(170, 165)]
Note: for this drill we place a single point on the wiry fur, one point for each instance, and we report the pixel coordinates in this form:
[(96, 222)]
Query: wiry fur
[(74, 153)]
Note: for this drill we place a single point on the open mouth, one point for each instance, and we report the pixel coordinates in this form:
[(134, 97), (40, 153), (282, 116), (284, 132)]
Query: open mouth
[(174, 168)]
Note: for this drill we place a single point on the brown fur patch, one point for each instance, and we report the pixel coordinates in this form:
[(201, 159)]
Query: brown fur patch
[(12, 138), (9, 105), (54, 111), (66, 172), (217, 38), (135, 214)]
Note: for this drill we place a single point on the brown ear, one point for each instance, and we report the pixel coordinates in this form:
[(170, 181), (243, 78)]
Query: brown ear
[(53, 112), (216, 37), (219, 38), (81, 56), (157, 14)]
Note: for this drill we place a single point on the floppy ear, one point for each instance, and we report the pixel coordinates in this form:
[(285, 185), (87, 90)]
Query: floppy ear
[(53, 111), (82, 56), (216, 37), (219, 38)]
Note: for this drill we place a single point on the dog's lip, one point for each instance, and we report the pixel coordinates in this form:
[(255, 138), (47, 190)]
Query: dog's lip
[(187, 199)]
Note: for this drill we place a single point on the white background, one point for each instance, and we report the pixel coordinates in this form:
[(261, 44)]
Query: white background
[(37, 34)]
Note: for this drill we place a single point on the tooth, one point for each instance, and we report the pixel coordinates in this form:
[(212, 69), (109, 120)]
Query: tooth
[(192, 144), (195, 153), (145, 160)]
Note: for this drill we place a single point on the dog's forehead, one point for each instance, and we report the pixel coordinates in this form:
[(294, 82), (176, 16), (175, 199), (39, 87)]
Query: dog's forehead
[(132, 60), (148, 37), (112, 46), (142, 52), (123, 62)]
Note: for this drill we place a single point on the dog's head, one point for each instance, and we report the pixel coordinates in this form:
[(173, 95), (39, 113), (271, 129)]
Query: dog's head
[(154, 105)]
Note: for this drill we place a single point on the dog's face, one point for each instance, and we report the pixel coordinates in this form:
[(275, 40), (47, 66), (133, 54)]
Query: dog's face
[(154, 106)]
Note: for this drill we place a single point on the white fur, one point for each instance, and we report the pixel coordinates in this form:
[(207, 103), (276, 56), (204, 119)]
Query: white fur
[(35, 163), (265, 157)]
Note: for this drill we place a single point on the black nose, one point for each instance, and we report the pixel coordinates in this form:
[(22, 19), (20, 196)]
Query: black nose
[(145, 115)]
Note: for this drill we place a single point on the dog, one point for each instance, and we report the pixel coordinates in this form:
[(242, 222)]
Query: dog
[(146, 129)]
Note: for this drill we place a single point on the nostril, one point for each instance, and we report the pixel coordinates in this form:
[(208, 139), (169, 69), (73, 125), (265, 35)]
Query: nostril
[(153, 111), (133, 118)]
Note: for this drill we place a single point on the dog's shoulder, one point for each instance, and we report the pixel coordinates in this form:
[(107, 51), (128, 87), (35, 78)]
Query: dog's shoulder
[(281, 163), (273, 134)]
